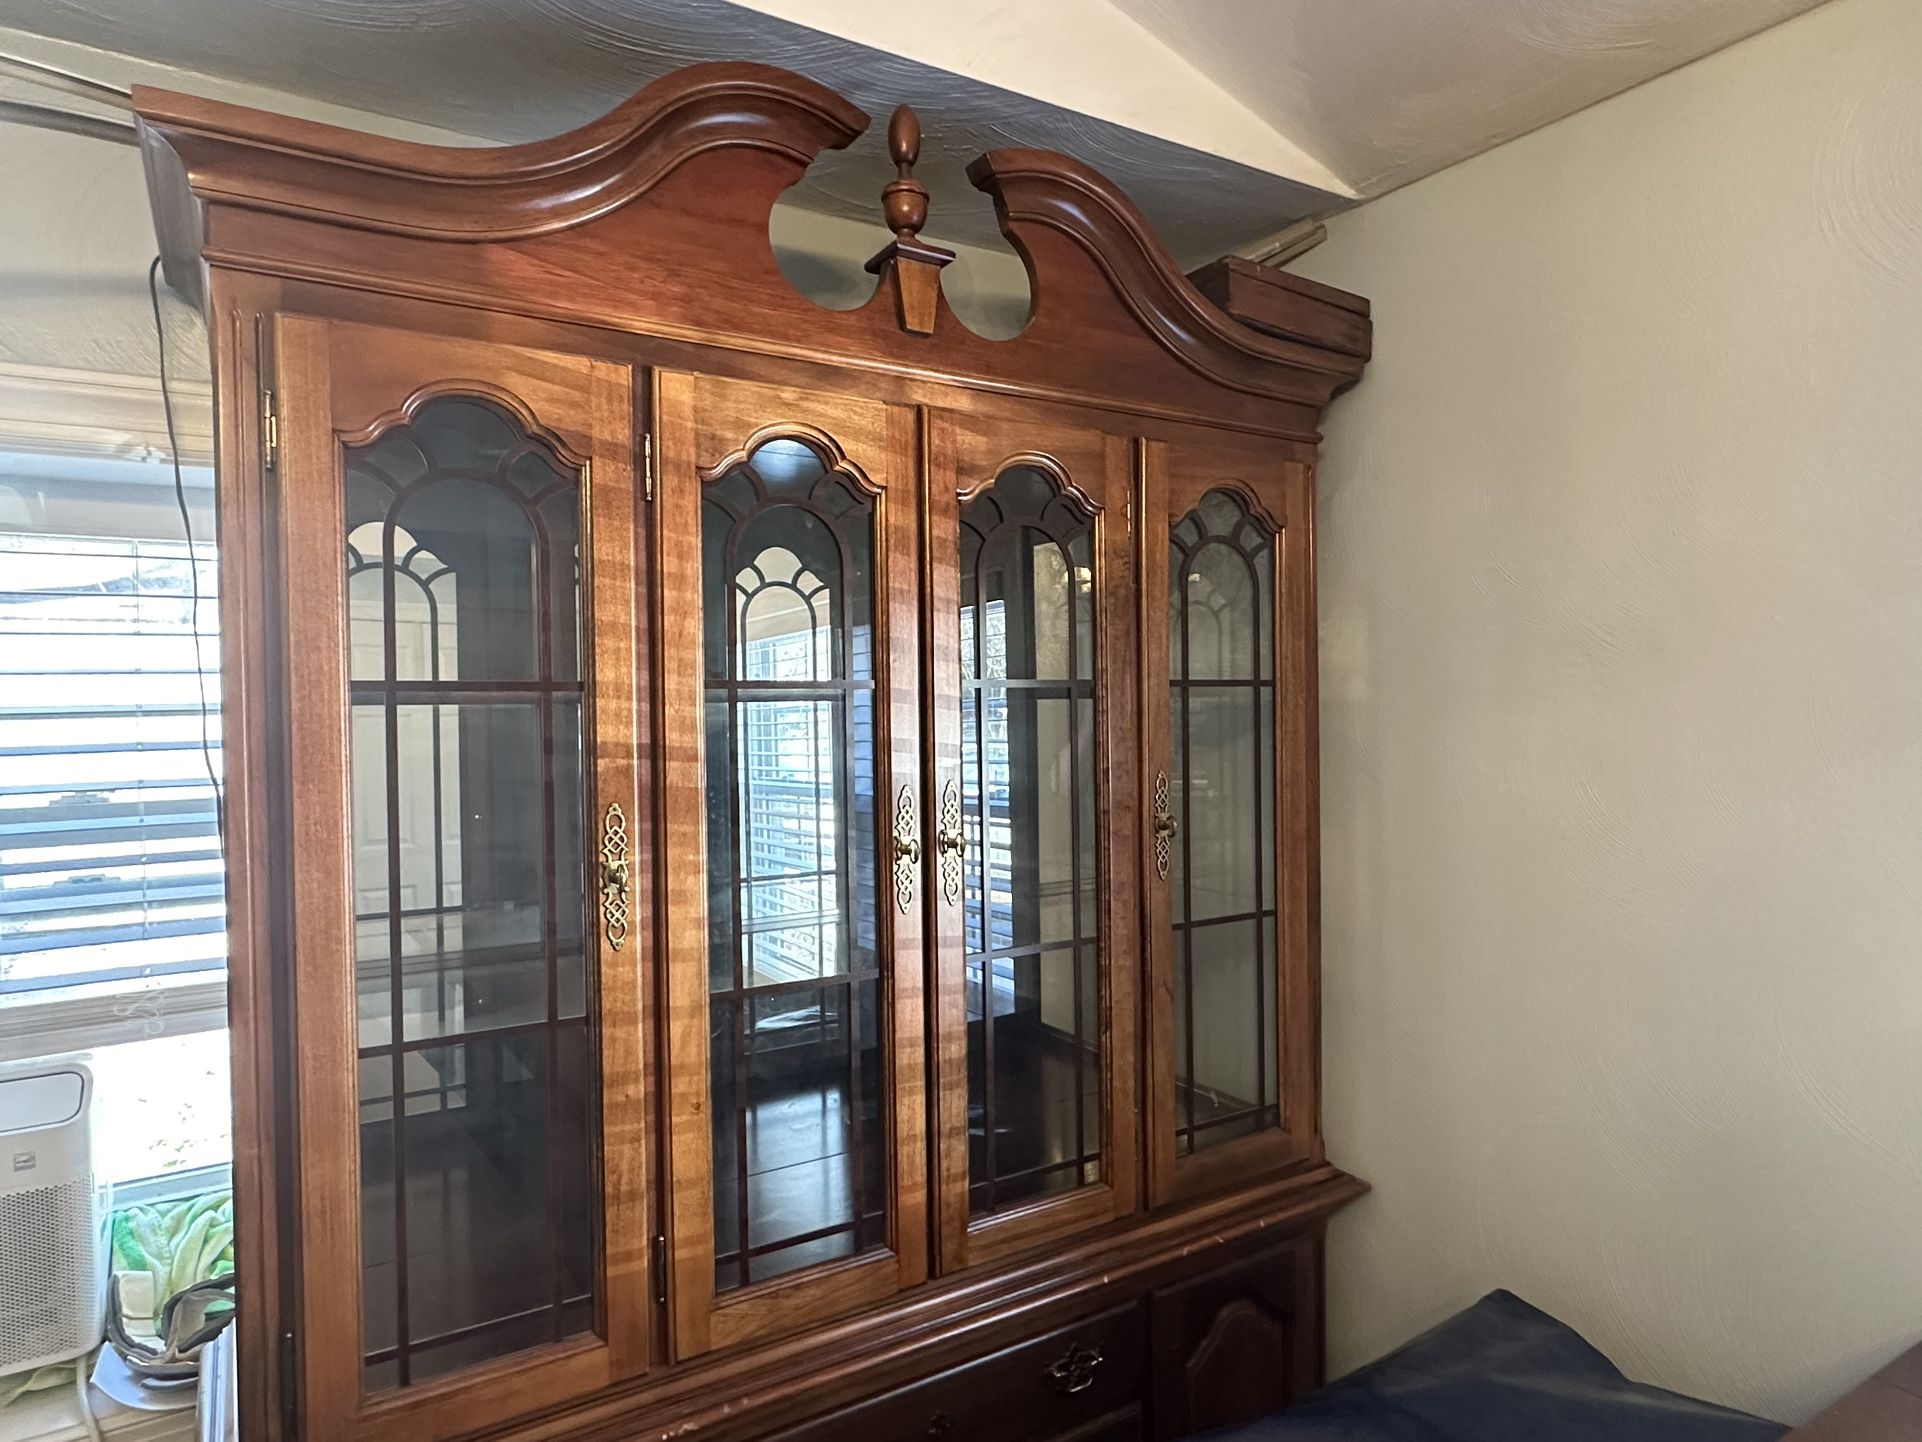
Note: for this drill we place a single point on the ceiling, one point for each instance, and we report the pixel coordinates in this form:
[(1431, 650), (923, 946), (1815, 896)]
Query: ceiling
[(1226, 120), (1384, 92)]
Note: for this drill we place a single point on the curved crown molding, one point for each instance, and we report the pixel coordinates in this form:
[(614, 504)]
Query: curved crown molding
[(1047, 189), (206, 158), (257, 161)]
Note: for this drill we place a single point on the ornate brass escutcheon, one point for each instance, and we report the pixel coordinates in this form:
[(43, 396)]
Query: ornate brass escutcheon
[(1165, 826), (614, 875), (907, 850)]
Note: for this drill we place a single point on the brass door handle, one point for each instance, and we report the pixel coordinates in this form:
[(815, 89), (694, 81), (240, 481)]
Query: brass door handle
[(907, 850), (951, 842), (614, 875), (1165, 826)]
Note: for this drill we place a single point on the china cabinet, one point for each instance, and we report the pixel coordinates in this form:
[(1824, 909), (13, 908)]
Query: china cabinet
[(772, 851)]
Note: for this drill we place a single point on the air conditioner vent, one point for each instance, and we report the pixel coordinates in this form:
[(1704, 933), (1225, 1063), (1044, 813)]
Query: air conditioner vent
[(49, 1267), (53, 1250)]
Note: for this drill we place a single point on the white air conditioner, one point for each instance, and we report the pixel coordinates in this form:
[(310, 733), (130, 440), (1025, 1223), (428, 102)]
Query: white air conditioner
[(53, 1242)]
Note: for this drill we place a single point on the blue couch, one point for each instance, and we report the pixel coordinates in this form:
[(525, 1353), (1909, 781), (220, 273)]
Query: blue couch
[(1501, 1371)]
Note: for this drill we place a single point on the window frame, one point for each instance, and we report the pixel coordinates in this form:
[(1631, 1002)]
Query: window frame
[(93, 481)]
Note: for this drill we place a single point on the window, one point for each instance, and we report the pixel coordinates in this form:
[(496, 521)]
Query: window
[(112, 909)]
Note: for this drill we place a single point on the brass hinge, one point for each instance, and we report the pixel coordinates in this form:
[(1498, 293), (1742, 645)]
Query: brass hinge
[(647, 464), (289, 1385), (660, 1269), (269, 429)]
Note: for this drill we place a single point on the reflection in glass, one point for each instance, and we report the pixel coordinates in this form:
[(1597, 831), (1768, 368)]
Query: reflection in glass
[(794, 968), (476, 1080), (1031, 926), (1221, 711)]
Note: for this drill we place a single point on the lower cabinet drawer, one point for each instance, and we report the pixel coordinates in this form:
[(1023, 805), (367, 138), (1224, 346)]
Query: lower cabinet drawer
[(1083, 1383)]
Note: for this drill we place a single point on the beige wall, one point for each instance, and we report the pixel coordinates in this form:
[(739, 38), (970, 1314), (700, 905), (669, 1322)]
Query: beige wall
[(1622, 726)]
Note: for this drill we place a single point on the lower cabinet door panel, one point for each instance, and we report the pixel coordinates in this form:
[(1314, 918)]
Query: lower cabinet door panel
[(1235, 1343), (1082, 1383)]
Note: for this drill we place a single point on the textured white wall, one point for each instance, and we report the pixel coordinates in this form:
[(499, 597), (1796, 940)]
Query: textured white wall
[(1622, 726)]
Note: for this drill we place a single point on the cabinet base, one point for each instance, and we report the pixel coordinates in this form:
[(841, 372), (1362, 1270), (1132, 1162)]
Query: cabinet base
[(1185, 1318)]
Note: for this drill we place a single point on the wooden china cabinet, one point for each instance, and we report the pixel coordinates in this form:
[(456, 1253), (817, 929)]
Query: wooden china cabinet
[(772, 851)]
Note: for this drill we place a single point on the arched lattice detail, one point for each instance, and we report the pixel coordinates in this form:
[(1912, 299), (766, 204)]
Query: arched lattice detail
[(1048, 466), (468, 388), (1206, 599), (430, 578), (796, 433), (1222, 586)]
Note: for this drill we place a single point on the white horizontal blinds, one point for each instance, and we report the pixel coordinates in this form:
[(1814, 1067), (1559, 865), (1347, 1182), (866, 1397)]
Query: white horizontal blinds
[(110, 870)]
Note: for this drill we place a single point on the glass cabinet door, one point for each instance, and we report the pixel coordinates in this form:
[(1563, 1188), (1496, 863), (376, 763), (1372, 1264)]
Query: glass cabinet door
[(1032, 685), (1225, 868), (789, 621), (459, 535)]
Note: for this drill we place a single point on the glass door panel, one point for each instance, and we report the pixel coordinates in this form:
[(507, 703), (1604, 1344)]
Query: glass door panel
[(462, 658), (1032, 696), (1221, 587), (790, 662), (794, 833), (477, 1091), (1231, 1084), (1032, 918)]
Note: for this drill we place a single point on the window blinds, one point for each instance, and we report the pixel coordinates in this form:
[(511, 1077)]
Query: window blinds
[(110, 869)]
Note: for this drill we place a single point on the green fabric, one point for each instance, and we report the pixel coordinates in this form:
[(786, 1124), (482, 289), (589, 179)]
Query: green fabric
[(40, 1379), (160, 1251)]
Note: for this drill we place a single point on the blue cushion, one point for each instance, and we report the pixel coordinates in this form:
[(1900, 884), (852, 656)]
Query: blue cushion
[(1499, 1372)]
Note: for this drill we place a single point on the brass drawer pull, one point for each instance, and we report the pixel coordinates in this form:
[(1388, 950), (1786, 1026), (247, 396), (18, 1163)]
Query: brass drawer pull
[(1075, 1371)]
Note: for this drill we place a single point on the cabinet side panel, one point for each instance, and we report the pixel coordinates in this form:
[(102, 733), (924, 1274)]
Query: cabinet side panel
[(252, 710)]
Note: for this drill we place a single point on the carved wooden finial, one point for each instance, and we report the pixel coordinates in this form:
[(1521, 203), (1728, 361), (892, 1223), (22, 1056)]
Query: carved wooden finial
[(911, 263), (905, 200)]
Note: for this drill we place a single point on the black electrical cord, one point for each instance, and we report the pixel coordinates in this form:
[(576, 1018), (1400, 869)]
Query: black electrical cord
[(193, 560)]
